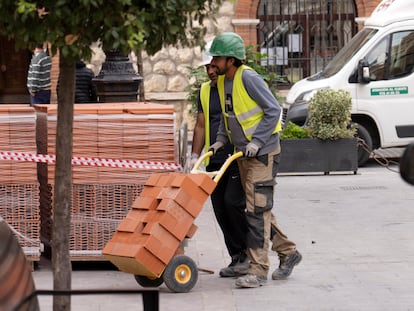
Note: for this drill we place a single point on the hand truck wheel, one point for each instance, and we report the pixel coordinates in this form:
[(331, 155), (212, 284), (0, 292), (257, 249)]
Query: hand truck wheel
[(145, 281), (181, 274)]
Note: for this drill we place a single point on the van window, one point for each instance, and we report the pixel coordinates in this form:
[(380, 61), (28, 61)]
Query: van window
[(402, 54), (392, 57), (377, 59), (345, 54)]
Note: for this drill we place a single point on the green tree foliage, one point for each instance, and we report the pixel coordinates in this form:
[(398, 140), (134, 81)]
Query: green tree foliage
[(72, 25)]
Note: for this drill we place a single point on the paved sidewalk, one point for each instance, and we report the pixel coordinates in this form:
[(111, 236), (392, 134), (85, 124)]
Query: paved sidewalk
[(355, 233)]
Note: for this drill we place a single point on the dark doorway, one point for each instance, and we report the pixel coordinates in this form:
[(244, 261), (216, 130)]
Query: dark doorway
[(13, 73)]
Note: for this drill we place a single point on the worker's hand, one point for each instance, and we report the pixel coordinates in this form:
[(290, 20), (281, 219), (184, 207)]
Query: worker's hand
[(193, 160), (251, 150), (216, 147)]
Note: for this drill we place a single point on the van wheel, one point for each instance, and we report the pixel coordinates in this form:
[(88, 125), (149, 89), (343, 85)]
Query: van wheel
[(365, 147)]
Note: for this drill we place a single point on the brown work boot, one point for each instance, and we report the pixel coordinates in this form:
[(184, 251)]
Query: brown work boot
[(251, 281), (287, 263), (239, 266)]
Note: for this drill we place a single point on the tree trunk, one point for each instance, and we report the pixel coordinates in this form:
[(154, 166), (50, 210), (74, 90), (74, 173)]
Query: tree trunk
[(140, 67), (63, 185)]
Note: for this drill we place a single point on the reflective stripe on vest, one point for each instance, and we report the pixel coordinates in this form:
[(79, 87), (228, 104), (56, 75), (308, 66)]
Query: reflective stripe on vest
[(247, 112), (205, 103)]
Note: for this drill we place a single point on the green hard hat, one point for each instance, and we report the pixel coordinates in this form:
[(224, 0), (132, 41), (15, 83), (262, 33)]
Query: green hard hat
[(228, 44)]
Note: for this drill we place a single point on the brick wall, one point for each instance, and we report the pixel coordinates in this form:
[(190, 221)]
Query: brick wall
[(365, 7), (247, 9)]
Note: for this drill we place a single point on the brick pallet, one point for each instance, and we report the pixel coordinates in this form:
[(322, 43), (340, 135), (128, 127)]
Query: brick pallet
[(19, 188), (102, 196)]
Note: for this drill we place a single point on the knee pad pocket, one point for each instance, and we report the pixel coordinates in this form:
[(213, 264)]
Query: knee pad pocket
[(263, 196)]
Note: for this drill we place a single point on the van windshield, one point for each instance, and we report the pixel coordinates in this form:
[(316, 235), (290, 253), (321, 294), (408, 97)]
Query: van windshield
[(345, 54)]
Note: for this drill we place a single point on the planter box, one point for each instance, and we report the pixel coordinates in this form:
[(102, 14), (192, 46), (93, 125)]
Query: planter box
[(316, 155)]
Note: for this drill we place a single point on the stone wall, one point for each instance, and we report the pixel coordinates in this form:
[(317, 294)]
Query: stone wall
[(166, 73)]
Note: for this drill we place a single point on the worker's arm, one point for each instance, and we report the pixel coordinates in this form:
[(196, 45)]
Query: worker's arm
[(198, 135)]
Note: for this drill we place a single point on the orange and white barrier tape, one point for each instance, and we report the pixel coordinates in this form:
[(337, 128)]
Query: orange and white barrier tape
[(90, 161)]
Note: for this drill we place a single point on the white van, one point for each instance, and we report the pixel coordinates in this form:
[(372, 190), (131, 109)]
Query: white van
[(376, 67)]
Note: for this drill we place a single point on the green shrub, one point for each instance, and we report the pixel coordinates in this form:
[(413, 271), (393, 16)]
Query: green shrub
[(293, 131), (197, 76), (330, 115)]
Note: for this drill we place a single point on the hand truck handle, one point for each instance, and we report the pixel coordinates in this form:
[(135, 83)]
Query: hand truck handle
[(216, 175)]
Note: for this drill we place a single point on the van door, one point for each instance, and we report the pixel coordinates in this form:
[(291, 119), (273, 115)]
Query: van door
[(389, 96)]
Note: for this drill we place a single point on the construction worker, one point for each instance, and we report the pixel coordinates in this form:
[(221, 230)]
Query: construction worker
[(228, 199), (251, 122)]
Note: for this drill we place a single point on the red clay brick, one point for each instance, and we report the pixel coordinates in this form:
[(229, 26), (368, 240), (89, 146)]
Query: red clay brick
[(154, 216), (159, 232), (177, 220), (176, 210), (145, 203), (146, 259), (152, 192), (161, 250), (178, 195), (194, 207), (133, 266), (204, 182), (179, 251), (130, 225), (138, 214), (165, 180), (153, 179), (167, 254), (191, 231), (185, 183), (169, 221), (121, 237), (120, 249), (154, 245)]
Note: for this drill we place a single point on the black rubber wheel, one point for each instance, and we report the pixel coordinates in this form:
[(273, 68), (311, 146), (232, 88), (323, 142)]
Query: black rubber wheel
[(363, 153), (145, 281), (181, 274)]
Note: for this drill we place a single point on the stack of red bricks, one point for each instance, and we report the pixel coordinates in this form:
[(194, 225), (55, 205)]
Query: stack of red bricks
[(19, 188), (160, 219), (102, 195)]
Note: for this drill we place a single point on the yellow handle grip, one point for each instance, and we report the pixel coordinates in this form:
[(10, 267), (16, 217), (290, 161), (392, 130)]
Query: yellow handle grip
[(216, 175)]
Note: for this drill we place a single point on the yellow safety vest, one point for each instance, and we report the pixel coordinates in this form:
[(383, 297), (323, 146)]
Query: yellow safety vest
[(205, 103), (247, 111)]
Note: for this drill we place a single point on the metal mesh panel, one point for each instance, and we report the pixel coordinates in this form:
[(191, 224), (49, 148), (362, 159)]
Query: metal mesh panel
[(300, 37)]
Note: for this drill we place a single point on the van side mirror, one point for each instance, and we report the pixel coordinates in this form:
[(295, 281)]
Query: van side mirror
[(407, 164), (364, 75)]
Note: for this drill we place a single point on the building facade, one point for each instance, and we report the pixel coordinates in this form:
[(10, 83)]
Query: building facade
[(166, 73)]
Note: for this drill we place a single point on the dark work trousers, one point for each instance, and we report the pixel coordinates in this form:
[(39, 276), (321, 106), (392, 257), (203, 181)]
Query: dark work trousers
[(229, 203)]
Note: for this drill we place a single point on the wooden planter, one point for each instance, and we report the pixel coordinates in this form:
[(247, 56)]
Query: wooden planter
[(316, 155)]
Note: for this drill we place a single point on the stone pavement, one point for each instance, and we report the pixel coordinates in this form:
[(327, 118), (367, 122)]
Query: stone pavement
[(355, 233)]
